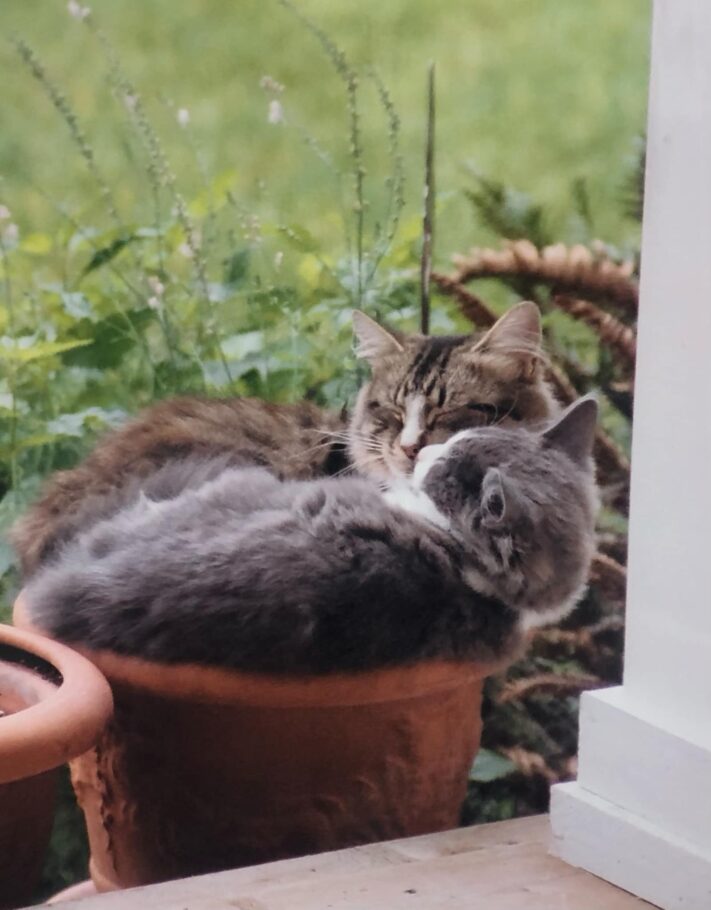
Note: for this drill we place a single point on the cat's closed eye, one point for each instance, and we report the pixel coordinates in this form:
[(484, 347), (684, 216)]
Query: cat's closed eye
[(474, 414), (384, 417), (481, 407)]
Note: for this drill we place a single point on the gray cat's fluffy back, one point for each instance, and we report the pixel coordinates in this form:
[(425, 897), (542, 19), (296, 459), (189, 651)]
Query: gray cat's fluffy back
[(312, 580)]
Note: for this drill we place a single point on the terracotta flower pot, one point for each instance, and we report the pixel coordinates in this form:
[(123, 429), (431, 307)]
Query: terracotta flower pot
[(53, 706), (204, 769)]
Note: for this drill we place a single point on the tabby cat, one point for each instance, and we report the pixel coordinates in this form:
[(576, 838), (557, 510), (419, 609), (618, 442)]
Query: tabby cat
[(491, 533), (422, 390)]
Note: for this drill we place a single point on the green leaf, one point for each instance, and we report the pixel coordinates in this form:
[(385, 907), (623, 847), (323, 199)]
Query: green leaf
[(238, 346), (490, 766), (260, 364), (237, 268), (78, 422), (181, 374), (581, 200), (509, 213), (218, 292), (14, 502), (39, 350), (38, 244), (35, 441), (107, 253), (76, 305), (7, 557), (12, 505), (110, 339), (299, 238)]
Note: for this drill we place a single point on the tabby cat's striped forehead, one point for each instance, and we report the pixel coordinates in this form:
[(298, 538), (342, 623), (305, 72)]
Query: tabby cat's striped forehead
[(423, 367), (444, 372)]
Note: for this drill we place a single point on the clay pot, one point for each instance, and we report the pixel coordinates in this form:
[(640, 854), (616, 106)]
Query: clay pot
[(205, 769), (54, 704)]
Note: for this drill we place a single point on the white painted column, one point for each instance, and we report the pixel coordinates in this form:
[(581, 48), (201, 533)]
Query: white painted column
[(640, 812)]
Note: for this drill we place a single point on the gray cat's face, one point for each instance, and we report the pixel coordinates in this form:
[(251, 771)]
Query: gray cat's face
[(522, 505)]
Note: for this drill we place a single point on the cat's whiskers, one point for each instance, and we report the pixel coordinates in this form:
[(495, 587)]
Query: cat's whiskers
[(349, 469), (353, 469), (349, 436), (367, 440), (335, 437), (500, 420), (374, 447), (311, 449)]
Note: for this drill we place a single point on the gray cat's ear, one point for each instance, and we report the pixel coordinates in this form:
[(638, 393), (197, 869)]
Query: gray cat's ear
[(493, 498), (574, 432), (517, 334), (374, 341)]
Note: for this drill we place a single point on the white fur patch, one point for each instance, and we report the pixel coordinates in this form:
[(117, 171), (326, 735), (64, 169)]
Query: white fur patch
[(532, 620), (430, 454), (414, 424), (415, 502), (478, 582), (425, 460)]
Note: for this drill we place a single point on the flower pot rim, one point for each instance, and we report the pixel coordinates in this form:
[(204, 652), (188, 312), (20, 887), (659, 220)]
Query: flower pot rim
[(191, 682), (67, 718)]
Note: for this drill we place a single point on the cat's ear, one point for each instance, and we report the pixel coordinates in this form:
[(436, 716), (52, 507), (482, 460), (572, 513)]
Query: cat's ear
[(516, 336), (374, 341), (493, 498), (574, 431)]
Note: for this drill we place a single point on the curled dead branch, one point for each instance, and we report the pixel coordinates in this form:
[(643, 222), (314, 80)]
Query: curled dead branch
[(472, 306), (570, 640), (569, 768), (613, 543), (565, 391), (574, 270), (613, 333), (621, 395), (613, 471), (530, 764), (609, 576), (558, 683), (582, 643)]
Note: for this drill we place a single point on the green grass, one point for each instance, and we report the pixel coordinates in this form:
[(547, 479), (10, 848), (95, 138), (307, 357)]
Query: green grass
[(534, 92)]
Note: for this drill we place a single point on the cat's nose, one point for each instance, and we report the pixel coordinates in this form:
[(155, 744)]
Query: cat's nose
[(412, 448)]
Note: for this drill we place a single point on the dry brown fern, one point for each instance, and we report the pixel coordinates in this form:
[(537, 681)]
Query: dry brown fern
[(613, 333), (569, 642), (559, 683), (575, 270), (609, 576), (531, 764), (473, 307)]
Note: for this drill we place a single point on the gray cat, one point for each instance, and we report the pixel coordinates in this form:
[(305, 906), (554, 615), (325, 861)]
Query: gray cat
[(492, 533)]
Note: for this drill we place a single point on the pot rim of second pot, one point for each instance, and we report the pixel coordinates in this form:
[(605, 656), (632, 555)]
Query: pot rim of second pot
[(73, 706)]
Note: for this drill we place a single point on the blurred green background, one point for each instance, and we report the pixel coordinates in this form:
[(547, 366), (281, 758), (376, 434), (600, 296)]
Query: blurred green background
[(535, 92)]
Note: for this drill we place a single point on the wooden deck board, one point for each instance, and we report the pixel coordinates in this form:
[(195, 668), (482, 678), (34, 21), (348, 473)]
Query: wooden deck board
[(503, 866)]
